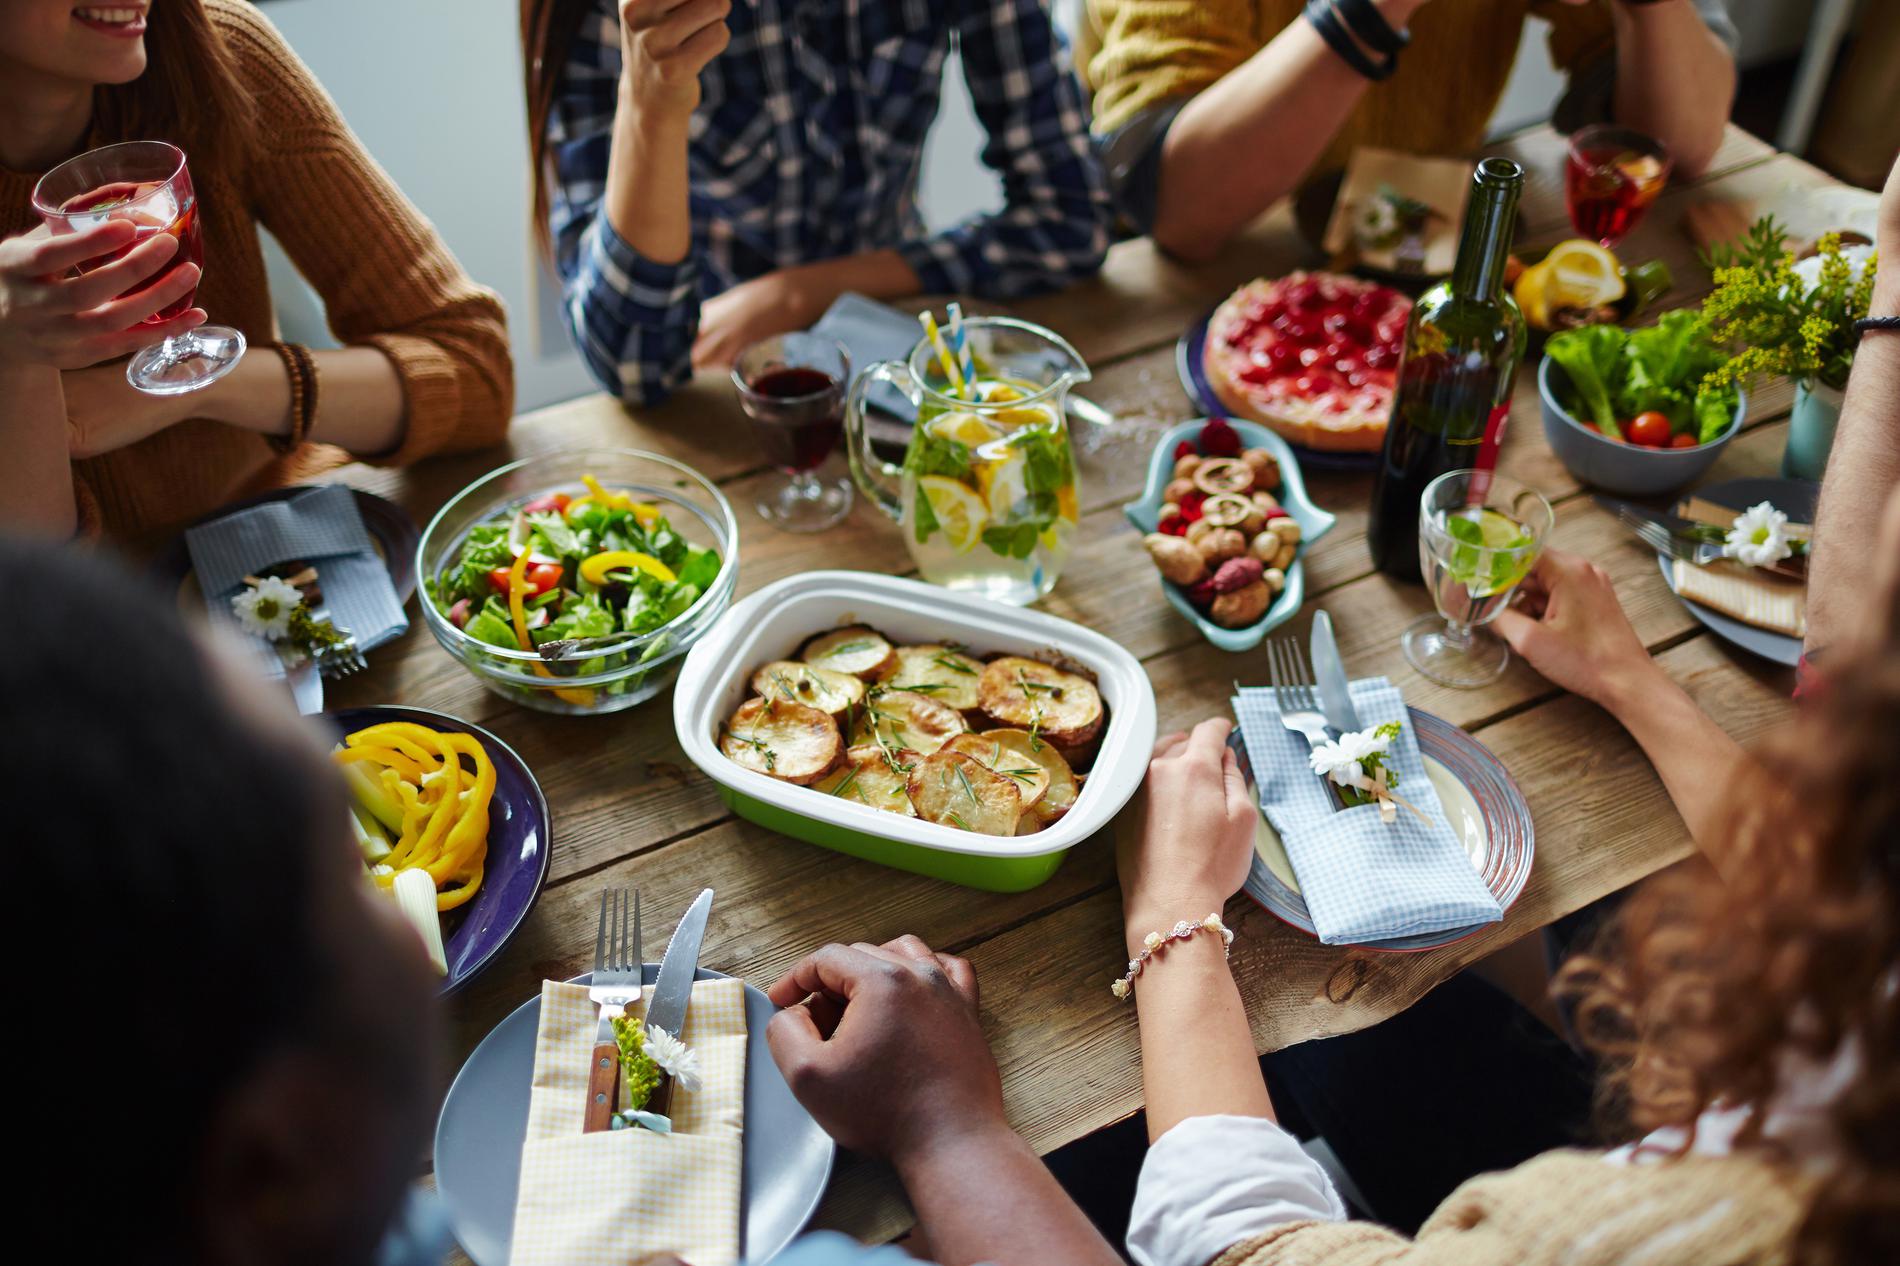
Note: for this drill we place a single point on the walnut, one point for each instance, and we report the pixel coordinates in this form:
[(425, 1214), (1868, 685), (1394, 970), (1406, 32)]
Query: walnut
[(1266, 469), (1219, 545), (1178, 490), (1168, 511), (1265, 500), (1199, 528), (1178, 561), (1184, 465), (1242, 606)]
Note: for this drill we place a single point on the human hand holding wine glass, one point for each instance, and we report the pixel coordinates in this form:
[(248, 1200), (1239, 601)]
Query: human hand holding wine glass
[(49, 316), (145, 185)]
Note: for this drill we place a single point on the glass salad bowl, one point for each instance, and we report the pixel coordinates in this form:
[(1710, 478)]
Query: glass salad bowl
[(575, 582)]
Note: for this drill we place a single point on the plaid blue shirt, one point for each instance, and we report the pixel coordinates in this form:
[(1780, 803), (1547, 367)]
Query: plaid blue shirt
[(806, 146)]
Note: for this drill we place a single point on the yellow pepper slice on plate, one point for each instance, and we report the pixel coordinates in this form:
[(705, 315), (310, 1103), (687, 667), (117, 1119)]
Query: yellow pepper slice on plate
[(595, 569)]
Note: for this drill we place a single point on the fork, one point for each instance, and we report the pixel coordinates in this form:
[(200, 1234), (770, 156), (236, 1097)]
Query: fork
[(340, 659), (1696, 553), (615, 986), (1299, 705)]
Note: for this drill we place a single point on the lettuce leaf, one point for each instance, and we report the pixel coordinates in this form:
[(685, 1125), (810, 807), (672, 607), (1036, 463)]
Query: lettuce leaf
[(1592, 358)]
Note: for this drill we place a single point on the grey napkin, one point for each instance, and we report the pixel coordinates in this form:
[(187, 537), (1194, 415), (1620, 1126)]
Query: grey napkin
[(322, 527)]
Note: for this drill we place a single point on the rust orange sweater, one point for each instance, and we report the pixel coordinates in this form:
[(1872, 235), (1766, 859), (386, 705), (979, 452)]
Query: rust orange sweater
[(385, 277)]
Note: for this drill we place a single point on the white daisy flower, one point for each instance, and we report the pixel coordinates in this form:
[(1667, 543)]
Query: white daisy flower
[(264, 609), (1808, 271), (680, 1061), (1759, 537), (1340, 760)]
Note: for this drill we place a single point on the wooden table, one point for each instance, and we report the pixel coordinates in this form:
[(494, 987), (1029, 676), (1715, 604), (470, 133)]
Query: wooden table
[(628, 809)]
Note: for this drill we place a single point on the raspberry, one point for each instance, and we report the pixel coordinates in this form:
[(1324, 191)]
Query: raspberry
[(1277, 513), (1218, 439), (1184, 449), (1191, 506)]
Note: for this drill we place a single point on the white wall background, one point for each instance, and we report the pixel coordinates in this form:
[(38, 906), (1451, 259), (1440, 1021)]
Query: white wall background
[(433, 87)]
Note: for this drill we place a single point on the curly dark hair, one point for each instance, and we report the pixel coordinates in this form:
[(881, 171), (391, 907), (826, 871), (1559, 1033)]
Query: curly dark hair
[(1706, 984)]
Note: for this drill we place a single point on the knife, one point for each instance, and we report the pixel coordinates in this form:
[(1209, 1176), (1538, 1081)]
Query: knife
[(1330, 673), (673, 988)]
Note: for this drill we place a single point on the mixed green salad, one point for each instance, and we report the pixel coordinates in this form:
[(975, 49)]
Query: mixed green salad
[(1617, 376), (560, 569)]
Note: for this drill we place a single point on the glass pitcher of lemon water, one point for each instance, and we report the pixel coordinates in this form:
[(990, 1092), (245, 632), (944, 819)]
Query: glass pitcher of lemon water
[(986, 494)]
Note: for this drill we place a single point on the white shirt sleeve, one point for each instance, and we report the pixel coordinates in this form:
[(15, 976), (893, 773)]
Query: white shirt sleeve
[(1211, 1182)]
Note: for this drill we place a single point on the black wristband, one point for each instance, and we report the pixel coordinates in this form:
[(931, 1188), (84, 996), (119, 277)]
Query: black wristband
[(1366, 22), (1320, 13), (1887, 325)]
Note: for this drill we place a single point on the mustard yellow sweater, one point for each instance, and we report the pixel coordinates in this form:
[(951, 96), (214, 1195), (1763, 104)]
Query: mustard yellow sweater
[(1140, 53), (1572, 1209)]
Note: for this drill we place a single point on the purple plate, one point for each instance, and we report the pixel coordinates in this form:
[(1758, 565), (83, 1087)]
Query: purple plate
[(1510, 841), (520, 844), (1187, 364)]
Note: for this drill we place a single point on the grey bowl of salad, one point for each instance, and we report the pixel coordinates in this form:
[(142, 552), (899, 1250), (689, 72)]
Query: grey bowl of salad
[(575, 582)]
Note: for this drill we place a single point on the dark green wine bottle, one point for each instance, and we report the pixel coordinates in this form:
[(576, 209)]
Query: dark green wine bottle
[(1463, 344)]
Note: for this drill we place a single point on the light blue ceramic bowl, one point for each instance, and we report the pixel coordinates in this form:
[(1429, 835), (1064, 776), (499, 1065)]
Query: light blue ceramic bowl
[(1628, 469), (1314, 523)]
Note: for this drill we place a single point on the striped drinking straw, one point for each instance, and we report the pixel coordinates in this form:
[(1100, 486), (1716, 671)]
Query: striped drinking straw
[(950, 370), (960, 347)]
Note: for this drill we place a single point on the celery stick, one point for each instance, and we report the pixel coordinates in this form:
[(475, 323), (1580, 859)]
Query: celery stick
[(369, 792), (415, 897), (370, 835)]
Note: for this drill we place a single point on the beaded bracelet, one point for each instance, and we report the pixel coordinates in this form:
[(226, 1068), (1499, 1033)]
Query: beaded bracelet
[(302, 368), (1154, 942)]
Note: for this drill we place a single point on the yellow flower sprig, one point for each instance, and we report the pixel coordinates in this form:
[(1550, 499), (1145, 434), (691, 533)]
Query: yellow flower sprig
[(1782, 325)]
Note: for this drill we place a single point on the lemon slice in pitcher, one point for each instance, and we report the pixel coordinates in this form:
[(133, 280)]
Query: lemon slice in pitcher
[(965, 428), (959, 510)]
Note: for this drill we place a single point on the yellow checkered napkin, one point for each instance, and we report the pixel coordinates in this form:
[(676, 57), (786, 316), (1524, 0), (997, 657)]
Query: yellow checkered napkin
[(613, 1197)]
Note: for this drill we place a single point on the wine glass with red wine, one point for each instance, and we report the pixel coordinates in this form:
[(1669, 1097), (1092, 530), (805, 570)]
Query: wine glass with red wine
[(1611, 175), (148, 184), (792, 387)]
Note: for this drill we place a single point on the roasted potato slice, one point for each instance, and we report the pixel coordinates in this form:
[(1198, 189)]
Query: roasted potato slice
[(1061, 707), (792, 741), (1010, 759), (904, 718), (860, 651), (948, 676), (822, 688), (958, 790), (870, 775)]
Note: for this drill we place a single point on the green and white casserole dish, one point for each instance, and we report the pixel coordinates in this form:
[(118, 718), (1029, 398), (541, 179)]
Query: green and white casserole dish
[(772, 623)]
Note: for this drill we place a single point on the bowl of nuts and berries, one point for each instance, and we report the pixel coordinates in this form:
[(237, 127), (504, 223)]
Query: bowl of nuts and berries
[(1226, 520)]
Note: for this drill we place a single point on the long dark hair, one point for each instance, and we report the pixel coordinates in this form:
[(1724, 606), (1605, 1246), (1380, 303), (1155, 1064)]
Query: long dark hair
[(190, 93), (548, 28)]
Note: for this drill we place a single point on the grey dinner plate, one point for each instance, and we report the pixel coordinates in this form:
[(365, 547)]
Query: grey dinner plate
[(1796, 497), (485, 1118)]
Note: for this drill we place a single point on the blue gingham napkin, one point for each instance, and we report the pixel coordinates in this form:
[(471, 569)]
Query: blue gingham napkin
[(1363, 879), (322, 527)]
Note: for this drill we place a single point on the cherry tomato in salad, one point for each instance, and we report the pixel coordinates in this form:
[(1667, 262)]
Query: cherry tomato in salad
[(556, 501), (1686, 441), (539, 578), (1651, 430)]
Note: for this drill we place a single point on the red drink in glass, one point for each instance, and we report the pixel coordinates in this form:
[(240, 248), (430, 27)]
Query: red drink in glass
[(799, 418), (792, 387), (148, 185), (1611, 175), (152, 209)]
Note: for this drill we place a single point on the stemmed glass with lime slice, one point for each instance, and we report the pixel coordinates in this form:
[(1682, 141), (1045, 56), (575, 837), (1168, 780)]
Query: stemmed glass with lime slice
[(1479, 534)]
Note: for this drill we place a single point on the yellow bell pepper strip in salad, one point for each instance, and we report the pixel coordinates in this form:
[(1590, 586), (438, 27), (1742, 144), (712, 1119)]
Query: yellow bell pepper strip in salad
[(518, 610), (595, 569), (598, 565)]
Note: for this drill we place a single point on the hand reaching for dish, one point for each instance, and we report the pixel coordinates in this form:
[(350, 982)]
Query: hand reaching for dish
[(1187, 847), (882, 1045), (1570, 627)]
